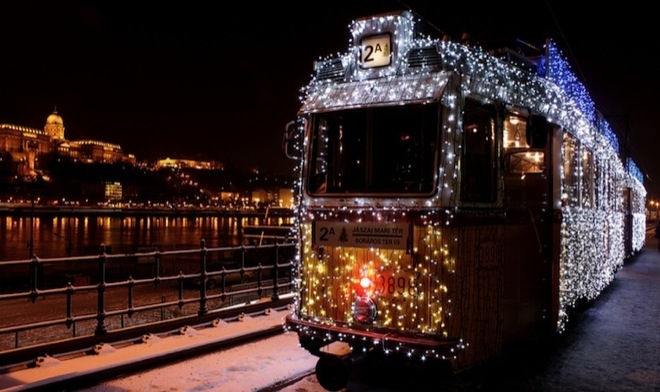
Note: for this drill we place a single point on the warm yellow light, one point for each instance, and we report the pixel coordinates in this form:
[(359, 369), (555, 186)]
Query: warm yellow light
[(365, 282)]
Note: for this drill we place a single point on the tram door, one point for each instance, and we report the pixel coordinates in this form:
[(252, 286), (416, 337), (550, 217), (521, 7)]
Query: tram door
[(527, 200)]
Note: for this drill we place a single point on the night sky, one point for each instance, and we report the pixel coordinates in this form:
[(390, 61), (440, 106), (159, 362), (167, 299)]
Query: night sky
[(216, 80)]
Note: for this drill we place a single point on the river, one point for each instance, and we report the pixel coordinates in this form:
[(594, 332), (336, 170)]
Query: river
[(62, 236)]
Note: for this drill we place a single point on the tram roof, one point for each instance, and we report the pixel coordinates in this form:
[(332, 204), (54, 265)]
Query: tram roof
[(416, 88)]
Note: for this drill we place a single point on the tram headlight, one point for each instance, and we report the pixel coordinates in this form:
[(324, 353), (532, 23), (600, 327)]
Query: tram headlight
[(365, 282), (365, 310)]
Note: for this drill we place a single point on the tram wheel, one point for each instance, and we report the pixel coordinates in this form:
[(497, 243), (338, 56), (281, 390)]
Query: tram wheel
[(332, 372)]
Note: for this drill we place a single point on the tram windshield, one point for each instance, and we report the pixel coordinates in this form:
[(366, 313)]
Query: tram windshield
[(383, 150)]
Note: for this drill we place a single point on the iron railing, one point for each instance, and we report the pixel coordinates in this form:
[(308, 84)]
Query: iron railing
[(48, 299)]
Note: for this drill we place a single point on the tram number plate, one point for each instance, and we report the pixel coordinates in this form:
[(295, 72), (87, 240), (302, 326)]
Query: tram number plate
[(400, 284)]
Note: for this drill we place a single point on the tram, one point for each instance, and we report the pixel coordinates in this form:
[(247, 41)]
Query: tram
[(453, 200)]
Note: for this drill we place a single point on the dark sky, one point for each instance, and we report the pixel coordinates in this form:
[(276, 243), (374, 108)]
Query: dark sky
[(216, 80)]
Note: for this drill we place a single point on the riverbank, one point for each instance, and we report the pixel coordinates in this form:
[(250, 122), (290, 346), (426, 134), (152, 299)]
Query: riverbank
[(26, 209)]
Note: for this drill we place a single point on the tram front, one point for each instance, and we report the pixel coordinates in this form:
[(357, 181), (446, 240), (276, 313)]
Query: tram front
[(373, 254)]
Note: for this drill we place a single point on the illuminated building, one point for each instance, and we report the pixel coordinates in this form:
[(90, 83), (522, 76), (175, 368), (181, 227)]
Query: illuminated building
[(26, 151), (29, 161), (188, 163)]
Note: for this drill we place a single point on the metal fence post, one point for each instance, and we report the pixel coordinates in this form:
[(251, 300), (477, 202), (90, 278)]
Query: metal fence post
[(203, 309), (101, 328), (276, 278), (34, 269)]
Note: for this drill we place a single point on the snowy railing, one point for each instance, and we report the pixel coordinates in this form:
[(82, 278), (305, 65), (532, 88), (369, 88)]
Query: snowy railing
[(46, 300)]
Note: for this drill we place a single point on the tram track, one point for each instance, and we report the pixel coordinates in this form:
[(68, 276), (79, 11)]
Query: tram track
[(87, 365), (264, 363), (281, 385)]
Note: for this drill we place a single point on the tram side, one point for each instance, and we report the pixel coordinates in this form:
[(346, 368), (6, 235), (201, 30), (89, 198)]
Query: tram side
[(451, 203)]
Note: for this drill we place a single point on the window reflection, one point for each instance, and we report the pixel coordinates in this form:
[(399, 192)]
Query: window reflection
[(520, 160), (478, 168)]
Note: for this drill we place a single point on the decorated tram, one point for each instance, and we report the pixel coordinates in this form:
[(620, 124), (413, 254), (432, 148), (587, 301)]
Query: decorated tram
[(452, 200)]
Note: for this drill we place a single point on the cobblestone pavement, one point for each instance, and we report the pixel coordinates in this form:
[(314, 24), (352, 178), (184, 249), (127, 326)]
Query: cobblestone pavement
[(612, 345)]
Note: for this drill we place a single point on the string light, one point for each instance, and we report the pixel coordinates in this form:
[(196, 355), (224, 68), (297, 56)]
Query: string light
[(443, 262)]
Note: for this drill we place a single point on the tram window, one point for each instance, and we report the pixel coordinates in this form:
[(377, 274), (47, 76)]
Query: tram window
[(375, 150), (588, 178), (515, 131), (579, 174), (525, 162), (571, 171), (318, 180), (478, 174)]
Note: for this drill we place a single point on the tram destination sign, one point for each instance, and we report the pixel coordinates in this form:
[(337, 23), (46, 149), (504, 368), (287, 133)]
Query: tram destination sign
[(362, 235), (376, 51)]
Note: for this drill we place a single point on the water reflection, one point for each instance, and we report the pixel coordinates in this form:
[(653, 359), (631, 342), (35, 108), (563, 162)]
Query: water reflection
[(83, 235)]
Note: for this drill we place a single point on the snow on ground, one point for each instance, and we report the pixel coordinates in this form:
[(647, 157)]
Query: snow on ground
[(248, 367)]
